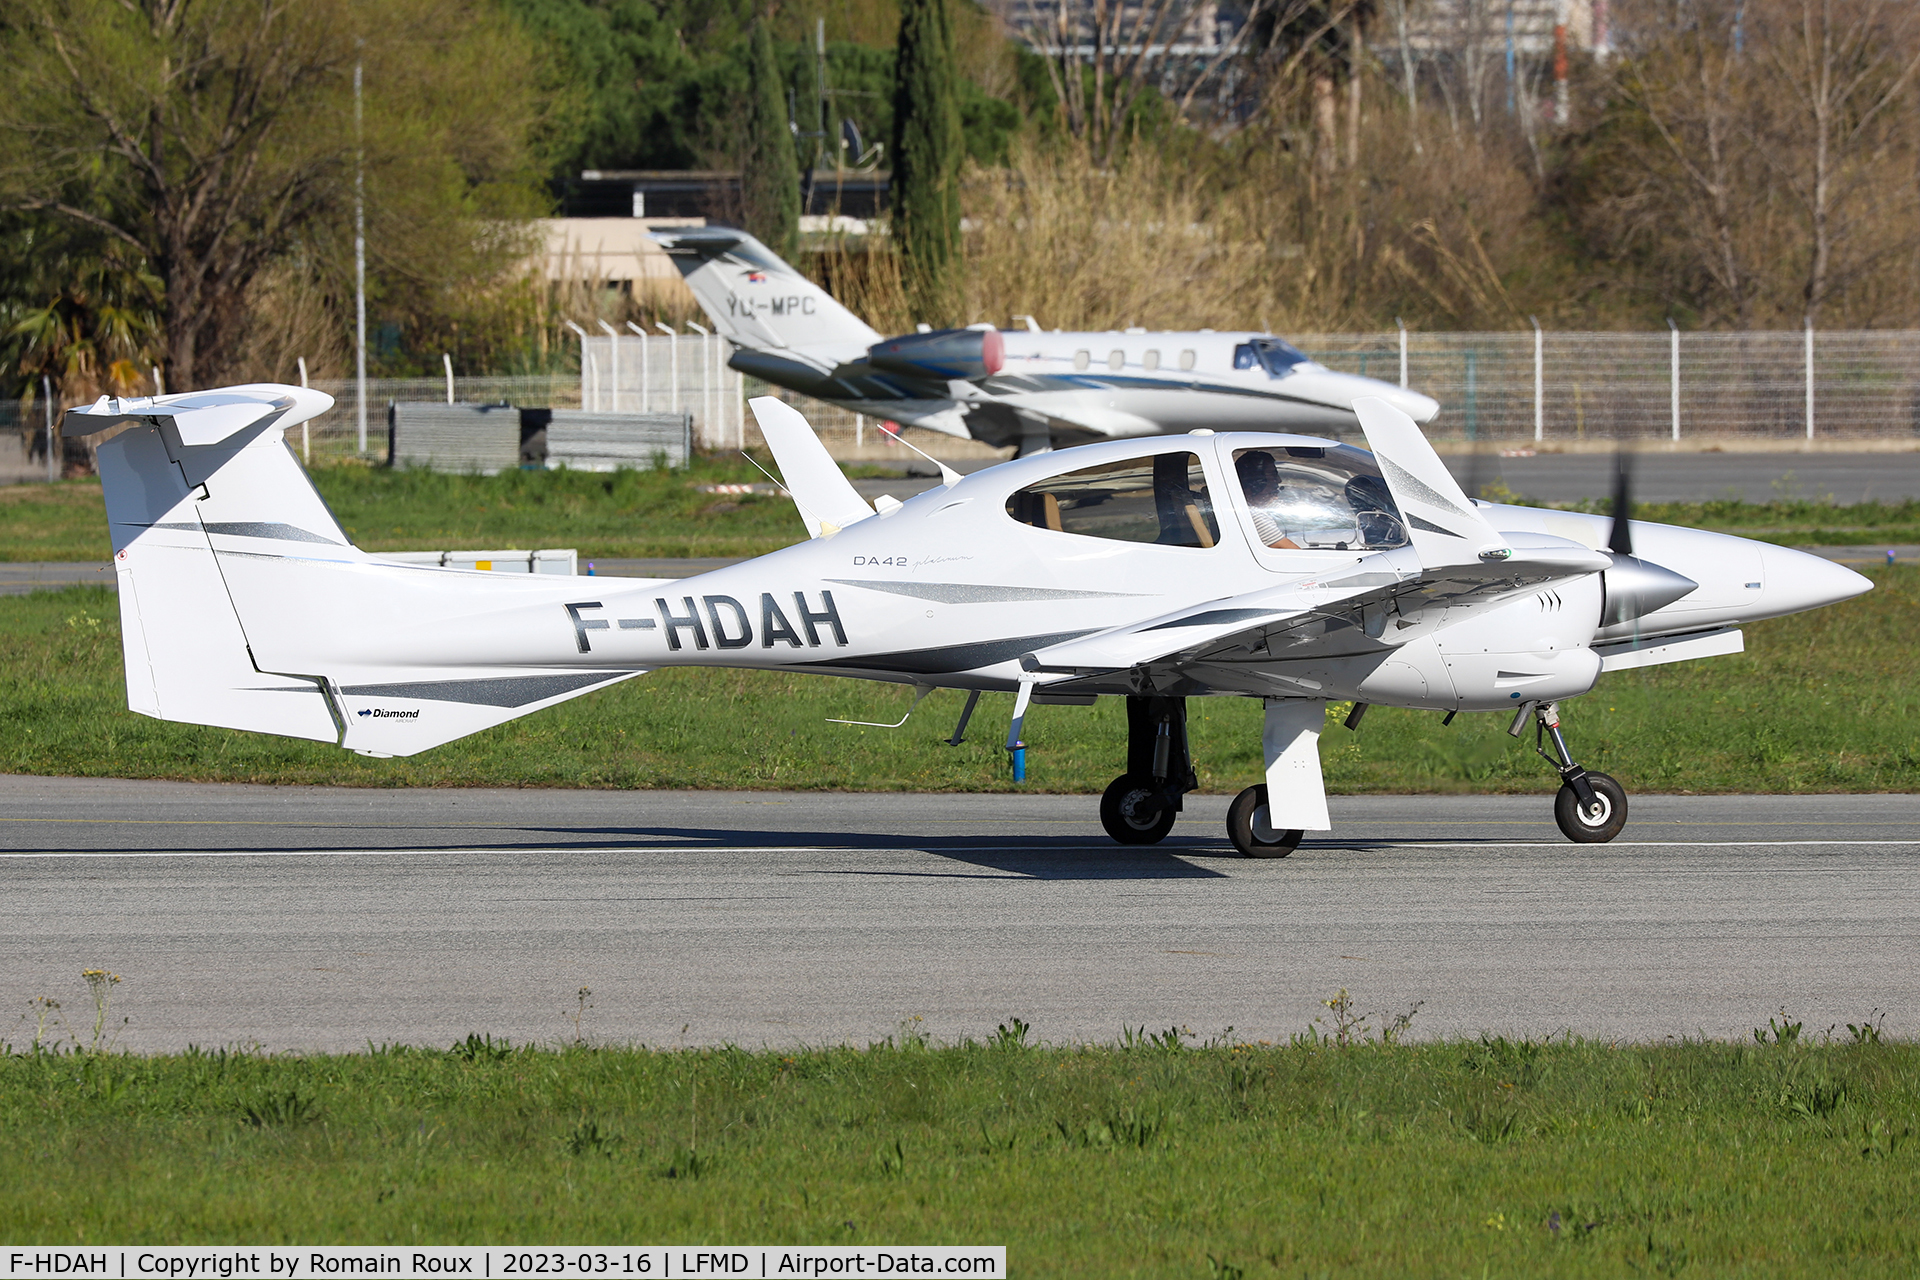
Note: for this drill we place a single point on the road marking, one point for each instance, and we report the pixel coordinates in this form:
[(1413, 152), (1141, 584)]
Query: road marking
[(1354, 845)]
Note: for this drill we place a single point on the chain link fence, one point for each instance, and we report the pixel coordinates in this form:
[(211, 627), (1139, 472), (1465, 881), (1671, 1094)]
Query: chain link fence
[(1557, 389), (1753, 385)]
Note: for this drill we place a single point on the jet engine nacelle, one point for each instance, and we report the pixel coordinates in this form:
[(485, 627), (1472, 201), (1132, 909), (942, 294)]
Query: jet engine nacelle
[(942, 354)]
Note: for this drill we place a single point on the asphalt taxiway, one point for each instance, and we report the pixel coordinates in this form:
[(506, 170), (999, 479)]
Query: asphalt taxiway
[(324, 918)]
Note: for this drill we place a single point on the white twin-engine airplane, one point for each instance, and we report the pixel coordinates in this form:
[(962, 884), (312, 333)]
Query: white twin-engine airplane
[(1279, 567), (1016, 386)]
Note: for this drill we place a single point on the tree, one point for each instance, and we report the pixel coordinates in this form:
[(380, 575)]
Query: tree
[(208, 139), (769, 171), (928, 150)]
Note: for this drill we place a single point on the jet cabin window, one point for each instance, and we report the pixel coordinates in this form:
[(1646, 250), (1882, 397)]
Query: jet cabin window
[(1161, 499), (1271, 354), (1331, 499)]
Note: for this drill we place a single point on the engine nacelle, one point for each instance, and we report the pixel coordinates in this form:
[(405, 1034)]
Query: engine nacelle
[(942, 354)]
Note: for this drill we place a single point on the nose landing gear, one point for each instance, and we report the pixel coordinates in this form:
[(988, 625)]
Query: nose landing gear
[(1591, 808), (1139, 806)]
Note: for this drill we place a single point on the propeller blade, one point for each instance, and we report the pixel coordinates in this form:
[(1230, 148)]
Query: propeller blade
[(1621, 539)]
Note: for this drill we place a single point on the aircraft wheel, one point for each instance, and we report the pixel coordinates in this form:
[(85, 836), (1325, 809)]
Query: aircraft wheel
[(1599, 824), (1250, 827), (1130, 811)]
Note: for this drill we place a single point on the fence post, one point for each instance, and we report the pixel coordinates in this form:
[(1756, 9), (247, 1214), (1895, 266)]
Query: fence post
[(46, 401), (646, 388), (1809, 377), (583, 359), (306, 441), (446, 361), (613, 364), (706, 382), (1403, 351), (1539, 411), (1473, 422), (673, 362), (1673, 372)]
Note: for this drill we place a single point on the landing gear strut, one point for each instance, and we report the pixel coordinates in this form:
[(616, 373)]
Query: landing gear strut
[(1140, 805), (1591, 807)]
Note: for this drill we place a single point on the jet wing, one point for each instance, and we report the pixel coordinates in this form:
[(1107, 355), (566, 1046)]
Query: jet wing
[(1370, 606)]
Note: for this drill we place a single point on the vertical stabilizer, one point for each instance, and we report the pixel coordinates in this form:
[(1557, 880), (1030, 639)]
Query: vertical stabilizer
[(759, 302), (1443, 525), (827, 500)]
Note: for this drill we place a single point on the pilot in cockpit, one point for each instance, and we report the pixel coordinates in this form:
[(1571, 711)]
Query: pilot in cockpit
[(1260, 482)]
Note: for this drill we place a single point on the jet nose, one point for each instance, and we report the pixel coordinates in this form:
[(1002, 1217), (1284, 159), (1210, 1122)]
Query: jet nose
[(1416, 406), (1348, 387), (1796, 581)]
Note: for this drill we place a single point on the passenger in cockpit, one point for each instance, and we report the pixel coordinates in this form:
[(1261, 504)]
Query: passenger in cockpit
[(1260, 482)]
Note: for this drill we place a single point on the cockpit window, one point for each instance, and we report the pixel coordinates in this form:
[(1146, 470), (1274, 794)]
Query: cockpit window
[(1161, 498), (1271, 354), (1323, 498)]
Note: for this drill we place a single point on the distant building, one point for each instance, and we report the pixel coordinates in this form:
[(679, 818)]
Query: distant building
[(714, 194)]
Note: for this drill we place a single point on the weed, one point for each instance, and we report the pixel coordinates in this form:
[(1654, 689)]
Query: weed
[(687, 1163), (1221, 1269), (1124, 1128), (1867, 1031), (280, 1110), (1171, 1040), (589, 1139), (1011, 1034), (1778, 1031), (45, 1011), (893, 1160), (479, 1048), (1815, 1101), (100, 985), (1349, 1025), (583, 1001), (1881, 1140)]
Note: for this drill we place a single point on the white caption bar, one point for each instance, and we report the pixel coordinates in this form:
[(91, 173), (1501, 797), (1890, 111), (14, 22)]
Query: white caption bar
[(227, 1262)]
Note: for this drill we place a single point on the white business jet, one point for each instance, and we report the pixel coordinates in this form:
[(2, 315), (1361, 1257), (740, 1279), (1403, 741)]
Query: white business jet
[(1015, 386), (1281, 567)]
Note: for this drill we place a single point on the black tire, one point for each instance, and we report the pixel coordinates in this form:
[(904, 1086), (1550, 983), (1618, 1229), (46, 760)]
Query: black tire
[(1124, 811), (1595, 826), (1248, 826)]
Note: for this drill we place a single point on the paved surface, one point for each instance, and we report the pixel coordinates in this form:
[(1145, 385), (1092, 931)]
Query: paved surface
[(325, 918), (1658, 477)]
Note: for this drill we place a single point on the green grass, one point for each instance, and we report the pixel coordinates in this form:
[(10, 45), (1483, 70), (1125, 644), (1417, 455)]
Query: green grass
[(1474, 1158), (1789, 522), (626, 513), (1825, 701), (663, 514)]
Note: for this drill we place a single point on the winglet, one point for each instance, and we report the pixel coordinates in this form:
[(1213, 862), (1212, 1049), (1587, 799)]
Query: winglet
[(1445, 528), (826, 498)]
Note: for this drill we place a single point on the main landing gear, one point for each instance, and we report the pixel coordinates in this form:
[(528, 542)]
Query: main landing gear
[(1591, 807), (1139, 806)]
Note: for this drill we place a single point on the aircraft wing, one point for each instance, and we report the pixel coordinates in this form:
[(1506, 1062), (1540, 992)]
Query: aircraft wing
[(1367, 607)]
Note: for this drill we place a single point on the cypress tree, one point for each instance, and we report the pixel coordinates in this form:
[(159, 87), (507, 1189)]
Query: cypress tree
[(927, 150), (770, 171)]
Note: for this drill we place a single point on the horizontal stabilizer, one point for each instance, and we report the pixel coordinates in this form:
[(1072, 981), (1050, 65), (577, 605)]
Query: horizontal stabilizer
[(827, 500), (203, 417), (244, 605)]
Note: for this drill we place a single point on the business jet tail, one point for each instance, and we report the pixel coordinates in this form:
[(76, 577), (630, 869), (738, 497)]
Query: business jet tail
[(758, 301)]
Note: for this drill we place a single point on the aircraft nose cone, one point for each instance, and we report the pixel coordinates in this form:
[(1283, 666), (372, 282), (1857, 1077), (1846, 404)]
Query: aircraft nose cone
[(1416, 406), (1796, 581), (1635, 588), (1348, 387)]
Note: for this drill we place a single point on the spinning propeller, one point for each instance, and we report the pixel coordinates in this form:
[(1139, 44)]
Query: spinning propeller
[(1620, 542)]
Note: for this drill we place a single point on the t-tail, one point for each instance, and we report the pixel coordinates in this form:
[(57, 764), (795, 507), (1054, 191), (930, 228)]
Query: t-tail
[(243, 603), (758, 302)]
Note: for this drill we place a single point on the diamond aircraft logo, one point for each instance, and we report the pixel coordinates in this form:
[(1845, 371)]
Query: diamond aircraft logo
[(381, 713)]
